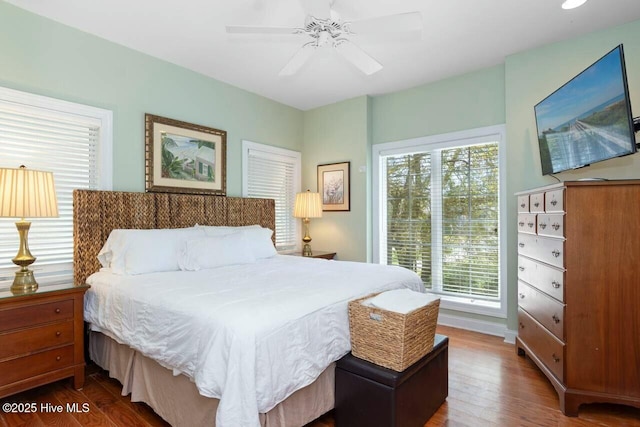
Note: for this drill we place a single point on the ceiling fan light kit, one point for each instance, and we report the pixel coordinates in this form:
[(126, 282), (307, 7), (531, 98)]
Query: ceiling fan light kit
[(325, 28)]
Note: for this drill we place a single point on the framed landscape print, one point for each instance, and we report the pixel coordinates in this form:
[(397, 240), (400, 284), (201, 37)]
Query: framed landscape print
[(333, 186), (182, 157)]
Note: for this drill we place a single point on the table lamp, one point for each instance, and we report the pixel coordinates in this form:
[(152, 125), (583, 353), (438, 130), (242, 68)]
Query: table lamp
[(308, 205), (26, 193)]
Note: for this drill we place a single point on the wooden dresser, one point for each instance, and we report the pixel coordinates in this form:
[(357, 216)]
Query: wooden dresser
[(579, 289), (41, 337)]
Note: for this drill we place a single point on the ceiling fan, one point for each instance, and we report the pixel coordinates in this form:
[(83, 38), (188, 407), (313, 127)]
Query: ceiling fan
[(325, 28)]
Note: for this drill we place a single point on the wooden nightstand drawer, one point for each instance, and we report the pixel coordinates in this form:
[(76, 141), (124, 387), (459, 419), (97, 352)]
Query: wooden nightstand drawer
[(31, 340), (17, 369), (35, 314)]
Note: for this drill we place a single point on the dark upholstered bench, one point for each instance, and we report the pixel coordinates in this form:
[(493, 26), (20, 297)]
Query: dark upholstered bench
[(370, 395)]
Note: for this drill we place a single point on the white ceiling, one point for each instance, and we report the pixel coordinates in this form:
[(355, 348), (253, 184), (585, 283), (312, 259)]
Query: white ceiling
[(459, 36)]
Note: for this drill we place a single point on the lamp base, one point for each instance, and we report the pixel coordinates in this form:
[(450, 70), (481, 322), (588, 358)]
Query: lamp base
[(24, 282), (306, 250)]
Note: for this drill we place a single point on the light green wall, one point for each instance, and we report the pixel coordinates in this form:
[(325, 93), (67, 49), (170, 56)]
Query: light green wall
[(41, 56), (333, 134), (531, 76)]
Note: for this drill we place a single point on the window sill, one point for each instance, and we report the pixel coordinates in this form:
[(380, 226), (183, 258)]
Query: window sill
[(475, 306)]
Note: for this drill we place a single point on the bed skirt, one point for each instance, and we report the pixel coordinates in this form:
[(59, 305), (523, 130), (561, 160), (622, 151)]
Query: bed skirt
[(176, 398)]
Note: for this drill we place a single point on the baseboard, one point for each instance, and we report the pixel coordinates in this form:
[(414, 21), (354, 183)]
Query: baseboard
[(482, 326)]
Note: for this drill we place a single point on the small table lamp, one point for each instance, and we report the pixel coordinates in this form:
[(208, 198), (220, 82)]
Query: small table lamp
[(26, 193), (308, 205)]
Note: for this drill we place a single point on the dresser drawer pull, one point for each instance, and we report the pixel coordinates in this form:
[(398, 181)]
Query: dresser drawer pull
[(543, 225), (530, 225), (58, 358), (555, 319), (553, 202), (57, 311), (521, 223), (521, 268), (555, 284), (522, 205), (58, 333), (521, 295), (555, 358), (521, 245), (521, 325), (555, 226), (556, 253)]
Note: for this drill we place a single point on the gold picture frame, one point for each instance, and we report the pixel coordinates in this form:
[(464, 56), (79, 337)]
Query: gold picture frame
[(334, 186), (182, 157)]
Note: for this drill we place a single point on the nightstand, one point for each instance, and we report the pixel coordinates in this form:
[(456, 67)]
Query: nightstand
[(41, 337), (317, 254)]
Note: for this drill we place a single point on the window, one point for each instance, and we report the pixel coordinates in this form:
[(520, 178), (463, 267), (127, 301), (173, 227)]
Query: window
[(74, 142), (274, 173), (439, 210)]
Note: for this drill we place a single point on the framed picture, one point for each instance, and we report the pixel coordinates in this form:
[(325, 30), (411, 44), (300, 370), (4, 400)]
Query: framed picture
[(333, 186), (182, 157)]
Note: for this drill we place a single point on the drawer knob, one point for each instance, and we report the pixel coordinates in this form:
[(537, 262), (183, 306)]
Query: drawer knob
[(58, 358), (555, 284), (553, 202), (555, 226), (521, 295), (521, 244), (543, 225), (521, 223), (555, 358), (58, 333), (555, 319), (521, 325), (536, 204), (57, 311), (521, 268), (530, 225), (555, 253), (522, 205)]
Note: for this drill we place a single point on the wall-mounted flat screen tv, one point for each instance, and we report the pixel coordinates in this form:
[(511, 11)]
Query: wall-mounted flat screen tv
[(588, 119)]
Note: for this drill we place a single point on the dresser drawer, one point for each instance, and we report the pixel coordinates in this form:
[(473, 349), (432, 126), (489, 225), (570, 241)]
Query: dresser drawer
[(542, 343), (35, 314), (551, 225), (536, 202), (554, 201), (548, 279), (23, 367), (544, 249), (527, 223), (31, 340), (546, 310), (523, 203)]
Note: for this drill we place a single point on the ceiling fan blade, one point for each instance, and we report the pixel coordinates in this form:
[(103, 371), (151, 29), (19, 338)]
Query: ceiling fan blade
[(298, 60), (245, 29), (410, 21), (358, 57), (320, 9)]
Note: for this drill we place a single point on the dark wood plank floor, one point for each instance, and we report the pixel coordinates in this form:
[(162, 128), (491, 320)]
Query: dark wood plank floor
[(488, 386)]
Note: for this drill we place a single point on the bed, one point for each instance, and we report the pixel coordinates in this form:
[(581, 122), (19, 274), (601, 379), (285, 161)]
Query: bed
[(242, 344)]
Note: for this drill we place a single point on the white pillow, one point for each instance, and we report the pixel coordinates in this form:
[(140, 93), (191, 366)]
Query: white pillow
[(145, 251), (223, 230), (215, 251), (260, 242)]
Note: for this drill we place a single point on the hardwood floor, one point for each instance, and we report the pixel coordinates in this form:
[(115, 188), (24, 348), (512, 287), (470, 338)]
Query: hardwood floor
[(489, 385)]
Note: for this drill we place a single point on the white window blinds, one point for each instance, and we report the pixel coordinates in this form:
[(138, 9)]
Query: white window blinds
[(47, 135), (439, 207), (274, 173)]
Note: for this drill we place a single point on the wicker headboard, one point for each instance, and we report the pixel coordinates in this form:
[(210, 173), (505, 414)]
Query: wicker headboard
[(96, 213)]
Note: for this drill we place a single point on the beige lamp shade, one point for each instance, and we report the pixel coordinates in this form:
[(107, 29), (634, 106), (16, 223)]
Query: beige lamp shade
[(308, 205), (26, 193)]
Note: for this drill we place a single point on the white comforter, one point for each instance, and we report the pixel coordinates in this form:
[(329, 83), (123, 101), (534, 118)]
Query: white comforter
[(249, 335)]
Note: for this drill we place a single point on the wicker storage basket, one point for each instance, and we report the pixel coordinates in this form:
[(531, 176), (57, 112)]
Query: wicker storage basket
[(389, 339)]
